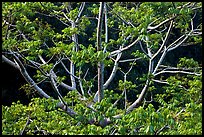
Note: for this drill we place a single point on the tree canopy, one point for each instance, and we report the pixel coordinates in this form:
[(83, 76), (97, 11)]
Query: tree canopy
[(116, 68)]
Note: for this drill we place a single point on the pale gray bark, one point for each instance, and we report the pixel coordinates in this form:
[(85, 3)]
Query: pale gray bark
[(113, 53), (160, 24), (165, 40), (29, 79), (140, 98), (99, 48), (72, 66), (11, 63), (113, 73)]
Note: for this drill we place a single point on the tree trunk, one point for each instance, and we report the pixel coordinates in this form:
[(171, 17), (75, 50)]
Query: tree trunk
[(99, 48)]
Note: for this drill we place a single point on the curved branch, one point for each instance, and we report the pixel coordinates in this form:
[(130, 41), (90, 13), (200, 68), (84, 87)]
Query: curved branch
[(165, 21), (113, 53), (29, 79), (143, 49), (67, 17), (113, 72), (142, 94), (53, 83), (165, 40), (66, 86), (11, 63), (183, 72), (169, 49), (68, 70), (140, 98)]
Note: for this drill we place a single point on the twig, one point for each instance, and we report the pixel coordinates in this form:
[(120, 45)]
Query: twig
[(165, 40), (184, 72), (165, 21), (113, 53), (182, 110), (27, 122), (127, 60), (161, 129)]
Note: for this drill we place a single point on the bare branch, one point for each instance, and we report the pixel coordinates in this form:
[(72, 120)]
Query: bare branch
[(149, 55), (80, 83), (113, 53), (99, 48), (68, 70), (68, 110), (127, 60), (130, 67), (27, 123), (53, 83), (115, 67), (140, 98), (29, 79), (165, 40), (160, 60), (182, 110), (86, 73), (161, 129), (143, 49), (125, 92), (160, 81), (67, 17), (163, 22), (11, 63), (75, 48), (148, 101), (114, 70), (80, 11), (183, 72), (66, 86), (106, 25), (175, 68), (154, 21), (172, 48), (115, 103)]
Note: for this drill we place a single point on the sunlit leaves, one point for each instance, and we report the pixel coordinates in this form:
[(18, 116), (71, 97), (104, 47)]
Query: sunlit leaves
[(139, 54), (125, 85), (88, 55), (187, 63), (27, 89), (140, 121), (84, 23), (94, 9), (9, 43), (70, 31), (33, 29)]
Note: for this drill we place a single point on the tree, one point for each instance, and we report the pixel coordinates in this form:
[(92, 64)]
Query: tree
[(66, 45)]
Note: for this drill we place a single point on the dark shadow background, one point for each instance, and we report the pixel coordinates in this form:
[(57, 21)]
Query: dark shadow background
[(11, 81)]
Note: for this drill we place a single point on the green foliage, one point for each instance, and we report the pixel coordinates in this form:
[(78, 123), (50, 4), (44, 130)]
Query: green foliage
[(45, 117), (187, 63), (70, 31), (126, 85), (27, 89), (33, 31)]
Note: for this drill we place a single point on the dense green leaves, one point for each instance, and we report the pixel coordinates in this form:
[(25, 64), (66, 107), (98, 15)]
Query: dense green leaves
[(141, 121), (41, 36)]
